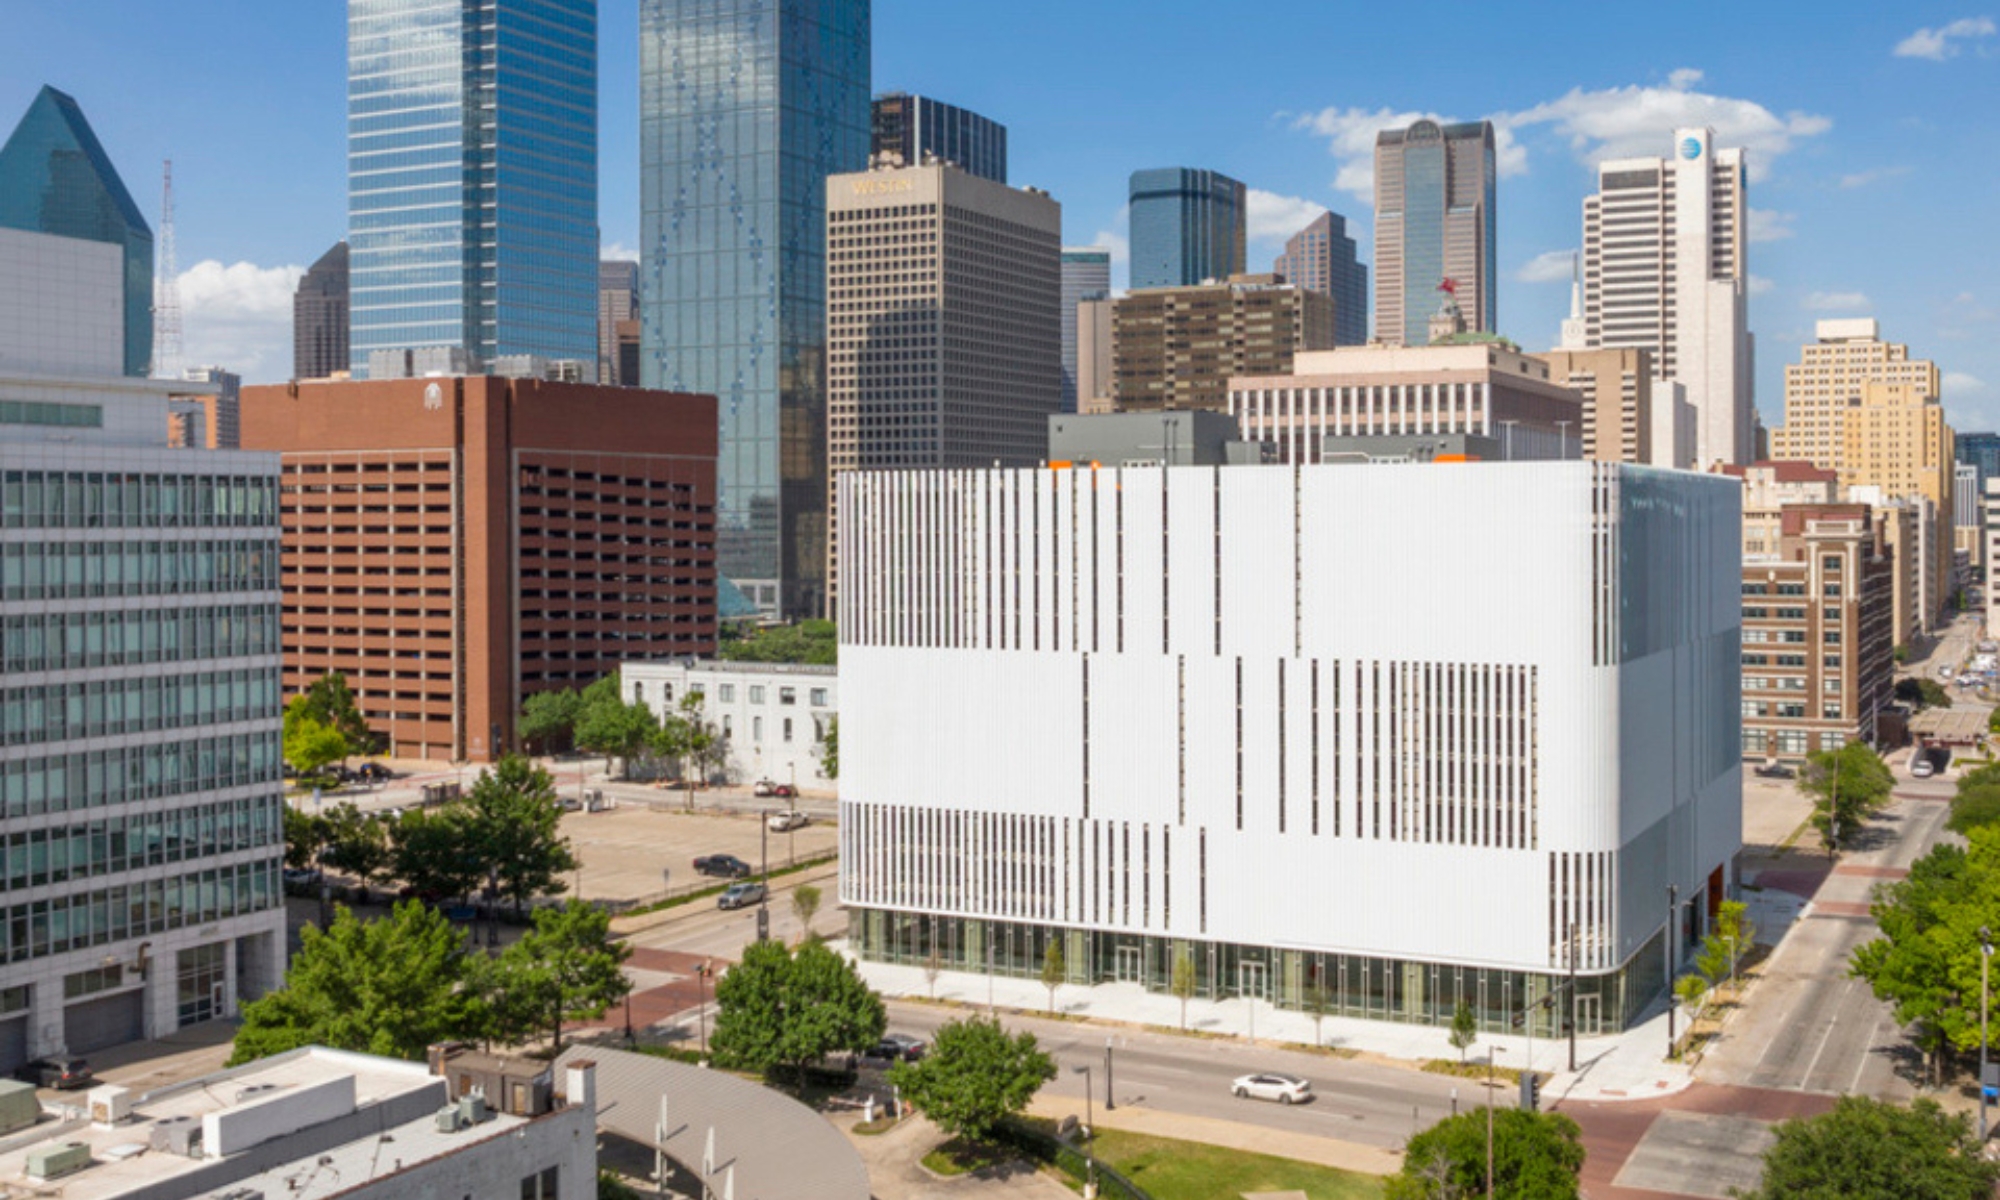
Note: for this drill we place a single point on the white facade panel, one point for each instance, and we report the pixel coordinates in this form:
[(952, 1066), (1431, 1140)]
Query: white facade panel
[(1459, 714)]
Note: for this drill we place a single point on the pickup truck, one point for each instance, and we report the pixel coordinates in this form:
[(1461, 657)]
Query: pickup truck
[(726, 865)]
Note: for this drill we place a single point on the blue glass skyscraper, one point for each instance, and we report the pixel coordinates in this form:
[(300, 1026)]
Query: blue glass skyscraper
[(1436, 218), (472, 177), (56, 179), (1188, 227), (746, 106)]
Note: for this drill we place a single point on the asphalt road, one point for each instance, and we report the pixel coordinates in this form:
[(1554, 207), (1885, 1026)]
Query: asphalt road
[(1355, 1101)]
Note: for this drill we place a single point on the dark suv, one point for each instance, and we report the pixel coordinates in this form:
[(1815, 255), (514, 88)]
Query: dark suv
[(726, 865), (62, 1073)]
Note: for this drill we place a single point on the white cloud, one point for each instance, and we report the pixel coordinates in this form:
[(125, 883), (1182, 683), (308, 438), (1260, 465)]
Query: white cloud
[(1940, 43), (1958, 383), (1551, 266), (1635, 121), (1769, 225), (1760, 285), (1873, 175), (239, 318), (1119, 245), (1273, 218), (617, 252), (1832, 301)]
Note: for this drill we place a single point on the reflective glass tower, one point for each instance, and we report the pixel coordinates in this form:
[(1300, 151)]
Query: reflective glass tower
[(1188, 227), (472, 177), (56, 179), (746, 106), (1436, 218), (917, 128)]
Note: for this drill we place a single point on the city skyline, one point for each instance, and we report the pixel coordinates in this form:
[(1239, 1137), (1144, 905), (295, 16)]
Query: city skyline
[(1840, 159)]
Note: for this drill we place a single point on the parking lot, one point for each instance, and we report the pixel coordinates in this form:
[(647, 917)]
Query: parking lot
[(626, 850)]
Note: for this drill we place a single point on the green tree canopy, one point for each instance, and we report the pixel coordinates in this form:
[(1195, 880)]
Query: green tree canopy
[(548, 719), (388, 987), (813, 642), (1927, 959), (1920, 693), (1847, 786), (306, 834), (359, 844), (1536, 1156), (829, 748), (311, 745), (1867, 1148), (974, 1077), (609, 726), (435, 852), (330, 702), (778, 1008), (1464, 1029), (565, 969), (1977, 801), (512, 825)]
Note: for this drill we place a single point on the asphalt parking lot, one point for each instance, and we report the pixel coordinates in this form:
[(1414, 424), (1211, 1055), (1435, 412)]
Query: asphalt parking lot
[(634, 854)]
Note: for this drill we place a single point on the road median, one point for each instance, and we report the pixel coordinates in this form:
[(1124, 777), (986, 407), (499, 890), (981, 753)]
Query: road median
[(1259, 1139)]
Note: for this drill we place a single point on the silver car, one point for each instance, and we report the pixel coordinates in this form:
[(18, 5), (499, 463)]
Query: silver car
[(1285, 1089)]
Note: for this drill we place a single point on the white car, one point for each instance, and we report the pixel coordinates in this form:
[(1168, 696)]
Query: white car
[(1285, 1089), (782, 822)]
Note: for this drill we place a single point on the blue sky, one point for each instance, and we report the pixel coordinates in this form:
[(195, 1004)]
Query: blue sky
[(1872, 131)]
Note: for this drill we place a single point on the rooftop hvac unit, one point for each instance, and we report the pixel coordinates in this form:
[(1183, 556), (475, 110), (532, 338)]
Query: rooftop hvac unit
[(449, 1119), (177, 1135), (54, 1162), (110, 1105), (472, 1109)]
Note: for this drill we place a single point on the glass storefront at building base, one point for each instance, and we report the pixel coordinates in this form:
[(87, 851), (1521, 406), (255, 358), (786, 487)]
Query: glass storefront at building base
[(1336, 985)]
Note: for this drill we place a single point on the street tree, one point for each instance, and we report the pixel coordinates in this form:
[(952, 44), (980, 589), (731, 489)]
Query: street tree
[(310, 745), (1464, 1030), (1977, 801), (1692, 991), (779, 1008), (359, 845), (609, 726), (388, 987), (331, 702), (513, 826), (1847, 786), (933, 967), (1865, 1148), (1182, 981), (548, 719), (829, 749), (566, 969), (1926, 960), (1920, 693), (705, 746), (1054, 969), (974, 1077), (1735, 932), (1536, 1156), (805, 905), (305, 836), (435, 854), (1318, 1002), (811, 642)]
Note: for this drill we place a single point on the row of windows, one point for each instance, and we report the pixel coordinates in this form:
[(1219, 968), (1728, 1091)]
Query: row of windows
[(36, 857), (726, 693), (97, 499), (59, 641), (45, 927), (56, 570), (123, 774), (102, 708), (63, 416)]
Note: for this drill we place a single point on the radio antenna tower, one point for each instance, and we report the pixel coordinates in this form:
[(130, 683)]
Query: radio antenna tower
[(166, 289)]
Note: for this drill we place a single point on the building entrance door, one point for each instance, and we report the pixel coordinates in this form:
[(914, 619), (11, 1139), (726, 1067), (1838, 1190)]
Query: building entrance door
[(1129, 964), (1253, 980), (1589, 1019)]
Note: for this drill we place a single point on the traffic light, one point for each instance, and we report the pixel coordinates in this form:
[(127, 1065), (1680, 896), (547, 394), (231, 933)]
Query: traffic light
[(1531, 1092)]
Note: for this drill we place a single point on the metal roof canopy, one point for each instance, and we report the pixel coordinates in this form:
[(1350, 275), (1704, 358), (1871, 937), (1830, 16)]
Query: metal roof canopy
[(1954, 726), (779, 1148)]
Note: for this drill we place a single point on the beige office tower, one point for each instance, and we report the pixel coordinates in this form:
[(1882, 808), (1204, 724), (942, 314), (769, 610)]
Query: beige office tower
[(1617, 391), (1896, 444), (1178, 348), (944, 332), (1826, 382), (1096, 387), (1664, 270)]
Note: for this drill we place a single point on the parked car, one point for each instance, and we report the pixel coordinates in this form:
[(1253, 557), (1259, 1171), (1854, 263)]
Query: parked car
[(62, 1072), (728, 866), (898, 1047), (373, 772), (741, 895), (569, 804), (786, 819), (294, 877), (1776, 771), (1285, 1089), (1923, 764), (762, 787)]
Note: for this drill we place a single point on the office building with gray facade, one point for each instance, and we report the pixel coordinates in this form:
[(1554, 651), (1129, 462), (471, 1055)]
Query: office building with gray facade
[(1321, 258)]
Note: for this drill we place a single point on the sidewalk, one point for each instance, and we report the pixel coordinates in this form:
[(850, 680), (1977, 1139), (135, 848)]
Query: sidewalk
[(1628, 1066)]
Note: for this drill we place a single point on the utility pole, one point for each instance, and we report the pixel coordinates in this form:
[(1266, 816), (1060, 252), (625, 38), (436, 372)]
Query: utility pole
[(1109, 1103), (1572, 997), (1985, 960), (1673, 911), (1089, 1135)]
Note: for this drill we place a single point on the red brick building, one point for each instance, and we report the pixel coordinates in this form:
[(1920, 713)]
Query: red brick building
[(453, 545)]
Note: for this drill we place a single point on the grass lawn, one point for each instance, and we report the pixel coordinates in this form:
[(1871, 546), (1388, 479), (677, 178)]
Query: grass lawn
[(1174, 1170), (960, 1157)]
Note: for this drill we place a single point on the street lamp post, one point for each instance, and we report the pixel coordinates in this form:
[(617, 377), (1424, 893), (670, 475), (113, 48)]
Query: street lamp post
[(1109, 1102), (1572, 997), (1089, 1135), (1985, 960), (1673, 911)]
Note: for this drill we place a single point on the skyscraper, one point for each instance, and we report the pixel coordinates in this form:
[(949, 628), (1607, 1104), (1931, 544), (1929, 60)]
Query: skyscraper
[(319, 317), (140, 791), (1320, 258), (1824, 387), (1664, 270), (472, 177), (915, 130), (1436, 218), (1188, 227), (943, 344), (56, 179), (746, 107), (617, 304), (1086, 275)]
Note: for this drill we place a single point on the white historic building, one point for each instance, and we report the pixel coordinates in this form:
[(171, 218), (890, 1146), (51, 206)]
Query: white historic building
[(1408, 733), (773, 717)]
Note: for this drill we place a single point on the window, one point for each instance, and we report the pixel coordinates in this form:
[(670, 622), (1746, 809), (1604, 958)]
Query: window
[(1830, 711), (726, 692), (788, 696), (638, 693), (788, 729), (667, 693), (819, 697), (543, 1186), (756, 693), (757, 730), (728, 726), (1831, 562)]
